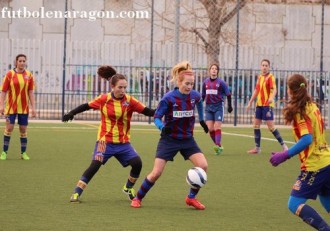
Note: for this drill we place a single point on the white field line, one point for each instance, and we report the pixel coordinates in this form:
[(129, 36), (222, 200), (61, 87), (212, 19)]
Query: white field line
[(93, 126)]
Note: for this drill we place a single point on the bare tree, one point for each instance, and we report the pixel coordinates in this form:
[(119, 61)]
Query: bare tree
[(218, 16)]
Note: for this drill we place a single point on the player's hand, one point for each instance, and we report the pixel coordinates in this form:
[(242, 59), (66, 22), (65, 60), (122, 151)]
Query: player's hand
[(203, 124), (68, 116), (279, 157), (230, 109), (166, 131)]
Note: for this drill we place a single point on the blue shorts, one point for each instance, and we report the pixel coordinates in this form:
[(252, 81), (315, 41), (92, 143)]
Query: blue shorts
[(213, 113), (122, 152), (310, 184), (264, 113), (21, 118), (168, 147)]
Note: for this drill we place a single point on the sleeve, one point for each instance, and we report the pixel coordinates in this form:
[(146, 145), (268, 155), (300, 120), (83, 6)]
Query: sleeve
[(200, 110), (257, 88), (225, 88), (272, 83), (161, 110), (301, 145), (6, 82), (303, 127), (204, 91), (159, 124), (97, 102), (136, 105), (31, 82)]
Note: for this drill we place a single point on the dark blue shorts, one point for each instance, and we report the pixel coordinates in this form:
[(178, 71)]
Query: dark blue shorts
[(310, 184), (122, 152), (21, 118), (264, 113), (214, 115), (168, 148)]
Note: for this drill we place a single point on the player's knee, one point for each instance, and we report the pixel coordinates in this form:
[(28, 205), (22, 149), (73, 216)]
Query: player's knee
[(294, 203), (7, 132), (154, 175), (136, 164), (23, 134), (271, 129), (203, 166)]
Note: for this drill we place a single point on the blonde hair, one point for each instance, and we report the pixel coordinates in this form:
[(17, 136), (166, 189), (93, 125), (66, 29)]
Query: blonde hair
[(181, 69)]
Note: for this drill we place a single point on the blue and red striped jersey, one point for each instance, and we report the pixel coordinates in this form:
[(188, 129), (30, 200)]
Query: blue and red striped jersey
[(214, 90), (178, 110)]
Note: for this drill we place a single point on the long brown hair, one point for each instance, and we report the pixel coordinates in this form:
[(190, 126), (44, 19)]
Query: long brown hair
[(299, 97)]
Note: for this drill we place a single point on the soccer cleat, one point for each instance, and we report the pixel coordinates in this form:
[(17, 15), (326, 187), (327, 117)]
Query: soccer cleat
[(218, 150), (254, 151), (130, 192), (3, 156), (195, 203), (136, 203), (24, 156), (75, 198)]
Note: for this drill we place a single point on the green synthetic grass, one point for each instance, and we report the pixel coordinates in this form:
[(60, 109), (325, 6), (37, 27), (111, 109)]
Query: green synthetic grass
[(243, 192)]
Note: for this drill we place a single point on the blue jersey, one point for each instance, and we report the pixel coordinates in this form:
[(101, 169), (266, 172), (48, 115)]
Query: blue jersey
[(214, 90), (178, 110)]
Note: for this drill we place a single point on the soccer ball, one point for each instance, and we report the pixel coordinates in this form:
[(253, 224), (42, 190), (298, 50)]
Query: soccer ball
[(196, 177)]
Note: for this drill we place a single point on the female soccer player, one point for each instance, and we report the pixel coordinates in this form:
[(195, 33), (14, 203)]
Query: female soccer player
[(266, 91), (177, 107), (19, 84), (113, 137), (214, 89), (314, 154)]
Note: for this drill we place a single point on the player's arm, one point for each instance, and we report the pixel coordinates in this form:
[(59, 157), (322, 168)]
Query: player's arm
[(70, 115), (32, 102), (301, 145), (254, 95), (148, 112), (279, 157), (273, 90), (203, 91), (228, 95), (200, 111), (2, 102)]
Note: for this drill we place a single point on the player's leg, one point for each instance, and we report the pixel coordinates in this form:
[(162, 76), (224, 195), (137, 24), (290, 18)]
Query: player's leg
[(166, 150), (10, 122), (136, 164), (325, 201), (127, 156), (218, 117), (269, 117), (257, 132), (298, 207), (97, 160), (84, 180), (149, 181), (23, 123), (195, 155), (209, 120)]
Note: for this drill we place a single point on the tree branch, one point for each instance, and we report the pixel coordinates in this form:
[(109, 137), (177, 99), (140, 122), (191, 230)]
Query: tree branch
[(199, 35)]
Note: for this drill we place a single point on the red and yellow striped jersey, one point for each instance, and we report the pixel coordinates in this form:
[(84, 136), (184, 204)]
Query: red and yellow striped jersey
[(317, 155), (17, 87), (116, 117), (265, 86)]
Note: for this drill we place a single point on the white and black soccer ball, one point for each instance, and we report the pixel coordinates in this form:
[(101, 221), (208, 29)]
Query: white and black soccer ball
[(196, 177)]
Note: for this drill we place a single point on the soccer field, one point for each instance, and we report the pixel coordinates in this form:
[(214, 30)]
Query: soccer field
[(243, 192)]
